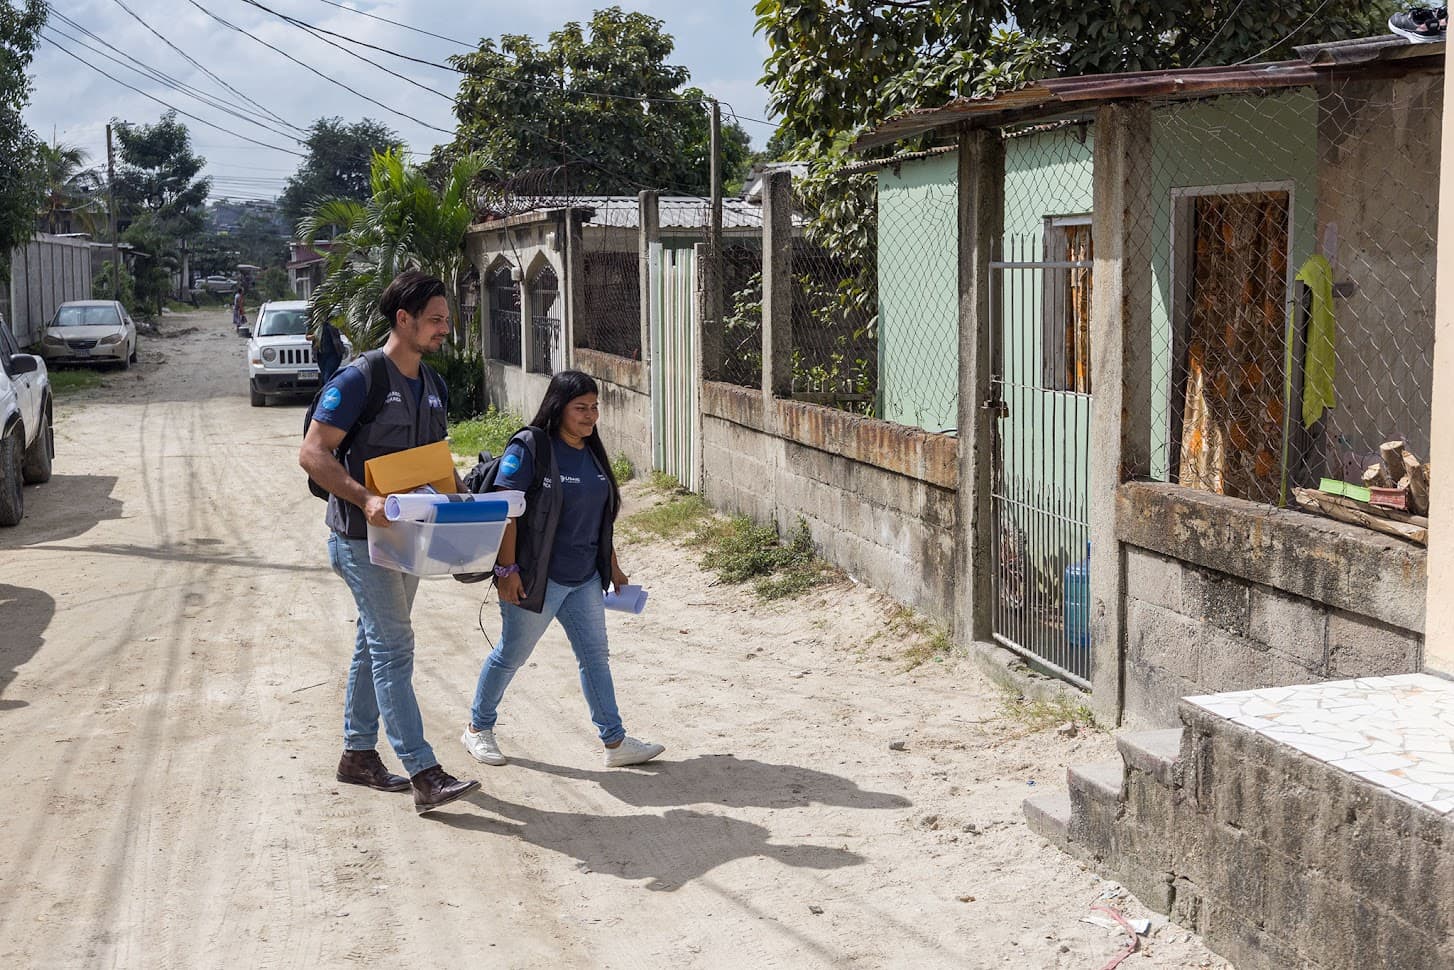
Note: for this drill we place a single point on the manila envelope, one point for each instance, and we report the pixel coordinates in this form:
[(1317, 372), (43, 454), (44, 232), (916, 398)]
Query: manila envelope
[(404, 471)]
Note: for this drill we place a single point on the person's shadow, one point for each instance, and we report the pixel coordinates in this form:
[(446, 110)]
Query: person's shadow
[(668, 850), (724, 780), (27, 613)]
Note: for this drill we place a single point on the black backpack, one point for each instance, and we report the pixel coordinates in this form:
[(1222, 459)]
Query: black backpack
[(482, 477), (376, 376)]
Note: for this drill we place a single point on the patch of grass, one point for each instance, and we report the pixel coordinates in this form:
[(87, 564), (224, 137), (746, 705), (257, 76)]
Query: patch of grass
[(622, 468), (662, 482), (739, 551), (66, 381), (923, 640), (679, 516), (490, 432), (1040, 715)]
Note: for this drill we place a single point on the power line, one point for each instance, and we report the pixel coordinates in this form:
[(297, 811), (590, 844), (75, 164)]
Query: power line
[(1292, 33), (331, 80), (137, 17), (395, 23), (166, 80), (170, 107)]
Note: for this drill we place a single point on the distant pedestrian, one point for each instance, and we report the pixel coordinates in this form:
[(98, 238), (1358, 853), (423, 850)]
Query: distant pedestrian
[(380, 677), (555, 562), (330, 351), (239, 312)]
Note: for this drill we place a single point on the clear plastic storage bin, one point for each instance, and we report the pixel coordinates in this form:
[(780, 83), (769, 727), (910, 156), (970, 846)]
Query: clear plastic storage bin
[(436, 549)]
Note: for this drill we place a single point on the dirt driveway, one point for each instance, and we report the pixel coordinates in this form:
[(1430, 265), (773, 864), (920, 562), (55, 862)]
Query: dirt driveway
[(172, 650)]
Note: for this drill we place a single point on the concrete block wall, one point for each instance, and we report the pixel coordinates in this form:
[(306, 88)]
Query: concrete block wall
[(1224, 595), (1280, 860), (892, 527)]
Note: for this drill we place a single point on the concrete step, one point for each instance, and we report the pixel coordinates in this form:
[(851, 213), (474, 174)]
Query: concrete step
[(1152, 752), (1097, 783), (1048, 816)]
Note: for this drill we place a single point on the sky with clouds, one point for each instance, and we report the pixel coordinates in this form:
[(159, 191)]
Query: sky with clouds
[(72, 102)]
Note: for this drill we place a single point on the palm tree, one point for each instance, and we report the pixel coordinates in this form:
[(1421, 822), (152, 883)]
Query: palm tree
[(69, 190), (405, 224)]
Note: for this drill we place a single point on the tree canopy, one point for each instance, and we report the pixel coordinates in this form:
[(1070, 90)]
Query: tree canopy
[(20, 184), (837, 66), (337, 164), (524, 107), (157, 173)]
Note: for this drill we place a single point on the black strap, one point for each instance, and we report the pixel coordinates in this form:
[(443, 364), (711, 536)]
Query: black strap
[(378, 380)]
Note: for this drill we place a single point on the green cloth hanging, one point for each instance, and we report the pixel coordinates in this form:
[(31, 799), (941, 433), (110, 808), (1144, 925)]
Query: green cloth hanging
[(1320, 363)]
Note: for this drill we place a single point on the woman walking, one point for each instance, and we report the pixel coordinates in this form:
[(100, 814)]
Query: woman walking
[(555, 562)]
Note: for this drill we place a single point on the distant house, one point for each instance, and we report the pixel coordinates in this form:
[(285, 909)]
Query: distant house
[(305, 266)]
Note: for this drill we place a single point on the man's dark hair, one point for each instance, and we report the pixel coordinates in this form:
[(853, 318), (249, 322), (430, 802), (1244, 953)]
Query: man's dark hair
[(411, 292)]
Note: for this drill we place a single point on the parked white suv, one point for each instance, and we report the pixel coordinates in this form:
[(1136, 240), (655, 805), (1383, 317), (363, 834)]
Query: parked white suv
[(279, 355), (27, 439)]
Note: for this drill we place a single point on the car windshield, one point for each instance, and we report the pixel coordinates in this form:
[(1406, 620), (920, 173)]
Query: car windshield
[(87, 316), (283, 323)]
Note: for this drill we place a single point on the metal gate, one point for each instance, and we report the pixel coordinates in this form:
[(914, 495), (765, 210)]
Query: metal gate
[(1040, 389), (674, 406)]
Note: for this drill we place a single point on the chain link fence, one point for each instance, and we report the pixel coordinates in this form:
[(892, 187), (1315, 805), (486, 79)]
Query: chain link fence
[(1292, 255)]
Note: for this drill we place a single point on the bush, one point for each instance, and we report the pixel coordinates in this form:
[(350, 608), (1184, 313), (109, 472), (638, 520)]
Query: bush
[(464, 374), (622, 468), (273, 284), (101, 288), (490, 432)]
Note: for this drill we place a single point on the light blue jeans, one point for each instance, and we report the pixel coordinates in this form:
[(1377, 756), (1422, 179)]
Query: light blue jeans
[(582, 614), (380, 677)]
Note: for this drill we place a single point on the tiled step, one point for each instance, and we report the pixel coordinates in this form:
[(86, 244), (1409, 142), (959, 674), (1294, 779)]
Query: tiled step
[(1048, 816), (1151, 752), (1098, 783)]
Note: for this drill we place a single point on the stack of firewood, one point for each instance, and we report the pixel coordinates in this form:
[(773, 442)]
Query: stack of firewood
[(1398, 496)]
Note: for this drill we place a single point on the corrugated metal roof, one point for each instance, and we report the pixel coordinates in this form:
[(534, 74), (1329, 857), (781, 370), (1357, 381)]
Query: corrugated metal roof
[(623, 212), (876, 164), (1366, 50), (1054, 95)]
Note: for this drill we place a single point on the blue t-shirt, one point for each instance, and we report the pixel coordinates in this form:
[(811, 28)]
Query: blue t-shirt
[(344, 398), (585, 491)]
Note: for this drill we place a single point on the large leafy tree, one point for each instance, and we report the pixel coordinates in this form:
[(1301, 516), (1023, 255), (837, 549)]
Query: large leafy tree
[(158, 191), (20, 184), (525, 107), (337, 164)]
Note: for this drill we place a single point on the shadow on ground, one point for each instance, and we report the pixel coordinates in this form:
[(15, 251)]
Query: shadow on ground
[(724, 780), (63, 508), (27, 613), (667, 850)]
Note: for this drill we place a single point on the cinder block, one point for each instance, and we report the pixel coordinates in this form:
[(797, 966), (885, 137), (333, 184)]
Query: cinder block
[(1153, 695), (1360, 647), (1159, 638), (1154, 579), (1293, 627), (1219, 599)]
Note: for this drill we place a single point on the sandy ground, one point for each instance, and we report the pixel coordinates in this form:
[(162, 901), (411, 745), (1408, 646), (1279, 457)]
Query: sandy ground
[(172, 650)]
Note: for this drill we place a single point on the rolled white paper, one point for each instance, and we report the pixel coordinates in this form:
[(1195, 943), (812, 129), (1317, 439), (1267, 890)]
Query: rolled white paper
[(419, 507), (626, 599)]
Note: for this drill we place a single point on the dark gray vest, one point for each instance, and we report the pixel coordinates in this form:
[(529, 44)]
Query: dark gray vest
[(405, 422)]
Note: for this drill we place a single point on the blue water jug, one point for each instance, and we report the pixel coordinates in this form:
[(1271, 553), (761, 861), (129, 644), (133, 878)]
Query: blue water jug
[(1076, 602)]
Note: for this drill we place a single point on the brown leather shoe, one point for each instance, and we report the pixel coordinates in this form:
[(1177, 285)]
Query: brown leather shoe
[(367, 768), (434, 787)]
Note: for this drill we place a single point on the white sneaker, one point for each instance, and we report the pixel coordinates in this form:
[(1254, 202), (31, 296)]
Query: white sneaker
[(632, 752), (482, 747)]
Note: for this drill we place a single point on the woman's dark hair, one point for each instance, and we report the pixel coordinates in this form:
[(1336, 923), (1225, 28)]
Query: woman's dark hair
[(411, 292), (565, 387)]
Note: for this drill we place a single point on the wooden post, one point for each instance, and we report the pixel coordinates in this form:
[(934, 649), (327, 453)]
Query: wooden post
[(777, 290)]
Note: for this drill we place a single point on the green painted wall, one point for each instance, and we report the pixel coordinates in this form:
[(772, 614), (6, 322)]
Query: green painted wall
[(1222, 142), (918, 293)]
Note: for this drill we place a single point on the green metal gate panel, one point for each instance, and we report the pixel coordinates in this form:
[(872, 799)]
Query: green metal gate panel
[(674, 407)]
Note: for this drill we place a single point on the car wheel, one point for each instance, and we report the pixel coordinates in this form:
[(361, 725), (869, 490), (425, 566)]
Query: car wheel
[(126, 362), (135, 349), (12, 499), (36, 464), (257, 398)]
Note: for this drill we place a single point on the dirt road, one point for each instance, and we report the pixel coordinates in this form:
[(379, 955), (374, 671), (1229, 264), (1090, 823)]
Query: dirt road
[(172, 650)]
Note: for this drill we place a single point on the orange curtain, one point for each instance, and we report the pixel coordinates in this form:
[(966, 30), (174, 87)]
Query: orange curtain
[(1232, 424)]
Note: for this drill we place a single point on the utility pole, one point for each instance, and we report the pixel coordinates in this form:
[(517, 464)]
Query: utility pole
[(111, 193)]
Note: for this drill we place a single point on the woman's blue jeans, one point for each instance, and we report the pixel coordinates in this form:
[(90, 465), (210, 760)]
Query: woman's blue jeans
[(581, 611)]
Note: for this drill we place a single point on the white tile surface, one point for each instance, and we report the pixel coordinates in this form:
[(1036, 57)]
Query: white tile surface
[(1396, 731)]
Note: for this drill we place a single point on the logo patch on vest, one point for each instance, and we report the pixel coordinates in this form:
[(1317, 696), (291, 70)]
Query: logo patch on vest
[(435, 402), (332, 398), (394, 397), (510, 464)]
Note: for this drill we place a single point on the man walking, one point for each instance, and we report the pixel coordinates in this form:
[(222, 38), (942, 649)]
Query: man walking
[(380, 678), (330, 351)]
